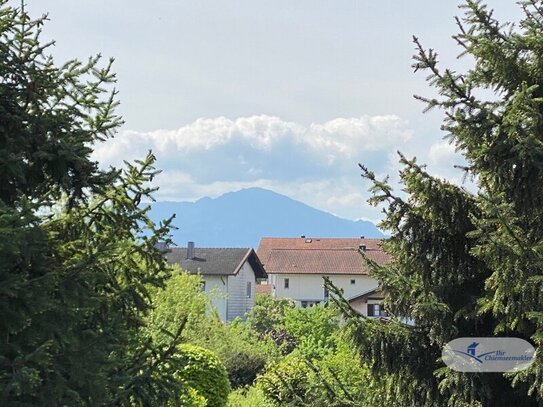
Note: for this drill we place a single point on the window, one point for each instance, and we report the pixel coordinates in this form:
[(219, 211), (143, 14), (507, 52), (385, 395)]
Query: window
[(376, 310), (287, 283), (353, 282), (304, 304), (203, 285), (326, 293), (248, 289)]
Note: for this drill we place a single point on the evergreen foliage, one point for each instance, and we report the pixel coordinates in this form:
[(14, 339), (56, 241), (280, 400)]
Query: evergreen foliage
[(78, 252), (468, 264)]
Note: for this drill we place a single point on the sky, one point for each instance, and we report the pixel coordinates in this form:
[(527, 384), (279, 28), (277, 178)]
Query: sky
[(285, 95)]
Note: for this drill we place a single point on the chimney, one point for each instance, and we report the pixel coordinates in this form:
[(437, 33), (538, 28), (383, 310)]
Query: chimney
[(190, 250), (362, 247)]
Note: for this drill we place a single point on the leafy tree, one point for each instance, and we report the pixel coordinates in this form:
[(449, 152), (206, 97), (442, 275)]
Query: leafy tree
[(267, 318), (181, 299), (76, 263), (329, 379), (268, 312), (468, 264), (315, 329), (319, 371)]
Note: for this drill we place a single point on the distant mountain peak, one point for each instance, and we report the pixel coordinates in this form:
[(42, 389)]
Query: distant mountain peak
[(241, 218)]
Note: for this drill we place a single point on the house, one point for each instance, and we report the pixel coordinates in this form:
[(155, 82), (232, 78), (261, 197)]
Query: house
[(369, 303), (296, 267), (231, 273)]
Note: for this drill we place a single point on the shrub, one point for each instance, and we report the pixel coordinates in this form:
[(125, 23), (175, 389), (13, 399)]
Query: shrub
[(289, 382), (243, 367), (239, 348), (337, 380), (204, 372), (248, 397)]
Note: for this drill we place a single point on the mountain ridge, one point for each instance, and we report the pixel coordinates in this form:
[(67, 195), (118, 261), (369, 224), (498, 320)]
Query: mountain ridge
[(241, 218)]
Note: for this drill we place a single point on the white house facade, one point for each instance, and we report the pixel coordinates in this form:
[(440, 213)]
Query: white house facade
[(369, 303), (308, 289), (296, 267), (230, 273)]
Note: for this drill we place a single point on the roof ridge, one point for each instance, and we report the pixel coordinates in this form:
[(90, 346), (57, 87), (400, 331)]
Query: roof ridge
[(215, 248), (328, 238), (320, 249)]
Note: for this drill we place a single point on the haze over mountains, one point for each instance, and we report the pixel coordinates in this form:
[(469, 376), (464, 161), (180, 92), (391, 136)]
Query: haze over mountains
[(240, 219)]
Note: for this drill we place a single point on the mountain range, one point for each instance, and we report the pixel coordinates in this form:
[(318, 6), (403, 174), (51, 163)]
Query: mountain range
[(241, 218)]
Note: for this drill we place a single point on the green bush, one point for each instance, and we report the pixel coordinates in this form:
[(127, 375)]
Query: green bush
[(248, 397), (315, 329), (289, 382), (337, 380), (243, 367), (239, 348), (204, 372)]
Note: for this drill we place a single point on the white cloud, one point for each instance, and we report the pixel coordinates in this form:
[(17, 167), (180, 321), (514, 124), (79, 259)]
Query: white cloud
[(316, 164), (346, 136), (441, 152), (333, 139)]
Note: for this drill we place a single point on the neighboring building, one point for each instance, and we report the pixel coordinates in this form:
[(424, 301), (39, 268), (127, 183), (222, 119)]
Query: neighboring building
[(296, 267), (369, 303), (233, 273)]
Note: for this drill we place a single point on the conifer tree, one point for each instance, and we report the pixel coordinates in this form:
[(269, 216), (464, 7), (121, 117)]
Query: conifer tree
[(468, 264), (75, 261)]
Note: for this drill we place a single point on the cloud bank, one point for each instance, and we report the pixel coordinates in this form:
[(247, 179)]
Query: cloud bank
[(314, 163)]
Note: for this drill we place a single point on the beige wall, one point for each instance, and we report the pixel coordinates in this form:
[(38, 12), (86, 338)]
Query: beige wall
[(309, 287), (361, 305)]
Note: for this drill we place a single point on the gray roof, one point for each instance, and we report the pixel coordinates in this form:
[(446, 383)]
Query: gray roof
[(212, 261)]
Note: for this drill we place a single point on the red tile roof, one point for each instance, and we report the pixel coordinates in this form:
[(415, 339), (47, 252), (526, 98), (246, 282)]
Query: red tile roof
[(269, 243), (263, 289), (323, 261), (319, 255)]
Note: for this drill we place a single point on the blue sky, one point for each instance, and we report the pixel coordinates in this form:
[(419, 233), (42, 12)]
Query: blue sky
[(286, 95)]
